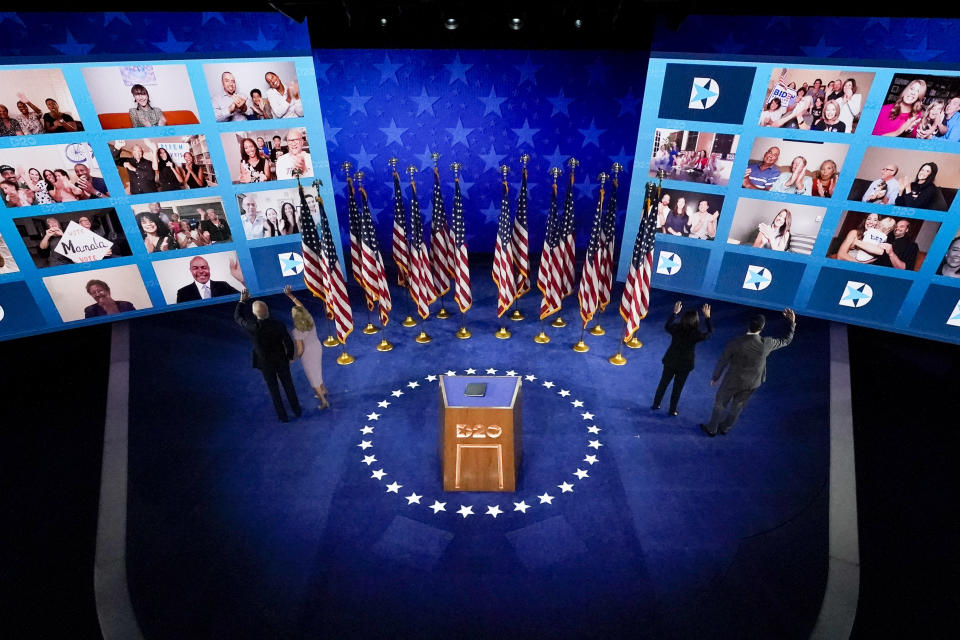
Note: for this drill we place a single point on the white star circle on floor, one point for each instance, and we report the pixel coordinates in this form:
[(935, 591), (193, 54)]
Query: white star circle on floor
[(413, 500)]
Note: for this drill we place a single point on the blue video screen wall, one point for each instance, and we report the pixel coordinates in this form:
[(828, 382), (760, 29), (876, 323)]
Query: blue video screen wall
[(827, 188), (143, 184)]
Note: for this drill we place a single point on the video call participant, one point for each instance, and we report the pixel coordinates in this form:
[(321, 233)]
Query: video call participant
[(254, 166), (9, 126), (900, 118), (764, 174), (703, 224), (56, 122), (313, 206), (91, 186), (253, 220), (169, 177), (296, 160), (284, 101), (141, 169), (213, 229), (677, 222), (886, 188), (277, 149), (743, 366), (105, 304), (775, 235), (143, 114), (193, 174), (950, 265), (48, 244), (85, 222), (272, 351), (30, 116), (202, 287), (825, 179), (678, 361), (899, 250), (949, 128), (259, 106), (230, 105), (796, 180), (862, 243), (922, 192)]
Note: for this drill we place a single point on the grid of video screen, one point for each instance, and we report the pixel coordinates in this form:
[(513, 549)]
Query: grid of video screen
[(829, 189), (141, 186)]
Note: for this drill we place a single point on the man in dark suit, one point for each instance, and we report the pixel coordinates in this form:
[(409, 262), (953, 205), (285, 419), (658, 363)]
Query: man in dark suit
[(746, 357), (202, 286), (272, 351)]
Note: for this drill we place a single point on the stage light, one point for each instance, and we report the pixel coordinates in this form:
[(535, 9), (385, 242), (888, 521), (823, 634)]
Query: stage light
[(451, 24), (516, 24), (578, 23), (383, 22)]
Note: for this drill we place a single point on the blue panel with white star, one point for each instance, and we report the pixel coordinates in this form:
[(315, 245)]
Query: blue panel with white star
[(776, 286)]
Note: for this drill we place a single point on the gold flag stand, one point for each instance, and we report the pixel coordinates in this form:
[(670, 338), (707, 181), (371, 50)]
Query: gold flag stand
[(581, 346), (542, 337), (384, 345), (330, 340), (502, 333), (597, 330), (558, 322), (618, 359), (345, 358)]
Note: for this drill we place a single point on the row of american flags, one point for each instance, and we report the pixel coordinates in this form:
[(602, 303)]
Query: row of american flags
[(430, 272)]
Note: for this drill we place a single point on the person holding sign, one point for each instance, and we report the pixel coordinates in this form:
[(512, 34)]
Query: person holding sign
[(49, 241), (105, 304)]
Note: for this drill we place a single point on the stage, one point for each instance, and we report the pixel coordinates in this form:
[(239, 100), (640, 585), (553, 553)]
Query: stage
[(625, 522)]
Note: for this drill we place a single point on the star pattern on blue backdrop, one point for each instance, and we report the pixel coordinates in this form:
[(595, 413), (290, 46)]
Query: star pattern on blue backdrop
[(172, 45), (71, 47), (920, 53), (261, 43), (482, 109)]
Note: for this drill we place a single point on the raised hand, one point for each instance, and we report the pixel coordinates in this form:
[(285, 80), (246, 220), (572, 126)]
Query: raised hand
[(677, 306), (790, 315), (706, 309), (235, 269)]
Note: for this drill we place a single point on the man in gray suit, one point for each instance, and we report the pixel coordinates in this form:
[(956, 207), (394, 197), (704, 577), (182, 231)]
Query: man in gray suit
[(746, 357)]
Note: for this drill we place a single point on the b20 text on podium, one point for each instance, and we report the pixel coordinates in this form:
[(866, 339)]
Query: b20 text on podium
[(480, 436)]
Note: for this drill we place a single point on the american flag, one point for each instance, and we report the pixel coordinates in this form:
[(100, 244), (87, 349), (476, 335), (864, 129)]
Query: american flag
[(463, 295), (636, 292), (503, 257), (374, 274), (420, 278), (608, 232), (322, 273), (550, 276), (441, 240), (590, 275), (568, 241), (356, 263), (401, 255), (521, 241)]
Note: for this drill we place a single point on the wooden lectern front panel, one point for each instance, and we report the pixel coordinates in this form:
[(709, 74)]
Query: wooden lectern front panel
[(478, 449)]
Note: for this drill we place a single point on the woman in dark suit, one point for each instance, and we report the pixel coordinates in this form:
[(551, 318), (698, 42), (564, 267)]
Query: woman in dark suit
[(678, 360)]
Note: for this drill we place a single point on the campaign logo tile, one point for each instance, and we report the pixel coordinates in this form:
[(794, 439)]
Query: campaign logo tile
[(18, 310), (757, 278), (856, 294), (291, 263), (954, 319), (706, 93), (668, 263)]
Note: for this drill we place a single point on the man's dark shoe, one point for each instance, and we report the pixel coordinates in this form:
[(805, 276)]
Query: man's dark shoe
[(709, 433)]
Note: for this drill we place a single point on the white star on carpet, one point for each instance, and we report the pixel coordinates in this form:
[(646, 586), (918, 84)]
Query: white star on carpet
[(373, 416), (494, 511), (413, 497), (383, 404), (491, 372), (365, 444), (591, 459), (431, 378), (566, 487), (511, 372), (546, 497), (367, 430), (438, 506), (521, 506), (465, 511), (594, 430), (413, 384), (595, 444), (394, 487), (587, 416), (530, 378), (450, 373), (470, 372), (378, 474), (396, 393), (577, 403), (548, 384), (580, 473), (563, 393), (368, 460)]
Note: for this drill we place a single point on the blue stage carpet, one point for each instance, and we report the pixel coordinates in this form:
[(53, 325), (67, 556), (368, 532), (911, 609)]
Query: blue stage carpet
[(243, 527)]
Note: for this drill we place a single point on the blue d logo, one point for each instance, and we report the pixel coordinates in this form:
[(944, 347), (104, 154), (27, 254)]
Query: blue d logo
[(704, 93)]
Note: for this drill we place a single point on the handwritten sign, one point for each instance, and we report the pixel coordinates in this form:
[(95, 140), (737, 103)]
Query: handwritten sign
[(176, 150), (82, 245)]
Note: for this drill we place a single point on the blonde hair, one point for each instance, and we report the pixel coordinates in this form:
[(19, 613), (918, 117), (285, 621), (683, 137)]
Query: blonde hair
[(302, 320), (887, 224)]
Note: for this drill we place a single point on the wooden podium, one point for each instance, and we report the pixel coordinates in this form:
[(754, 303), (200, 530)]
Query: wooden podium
[(480, 444)]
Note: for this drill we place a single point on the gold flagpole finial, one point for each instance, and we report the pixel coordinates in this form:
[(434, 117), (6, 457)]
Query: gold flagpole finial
[(412, 170), (555, 172), (602, 178), (345, 166), (435, 157), (616, 168), (358, 177), (573, 163), (524, 159), (392, 163), (455, 167), (504, 170)]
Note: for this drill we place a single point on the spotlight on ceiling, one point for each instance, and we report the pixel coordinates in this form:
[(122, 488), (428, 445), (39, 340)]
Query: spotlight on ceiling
[(383, 22), (578, 24), (516, 24), (451, 24)]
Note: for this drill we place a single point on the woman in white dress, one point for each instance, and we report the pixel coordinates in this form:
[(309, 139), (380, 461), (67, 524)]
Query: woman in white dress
[(309, 349)]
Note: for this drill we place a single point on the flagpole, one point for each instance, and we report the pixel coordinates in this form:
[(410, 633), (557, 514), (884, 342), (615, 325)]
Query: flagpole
[(634, 342), (423, 337), (502, 333), (408, 321), (559, 322), (462, 333), (370, 329), (443, 314), (581, 346), (517, 316)]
